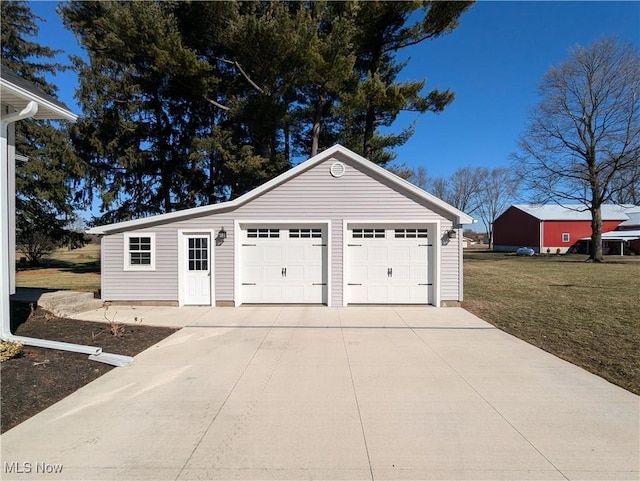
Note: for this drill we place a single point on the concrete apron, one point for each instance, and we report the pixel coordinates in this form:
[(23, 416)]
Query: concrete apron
[(334, 393)]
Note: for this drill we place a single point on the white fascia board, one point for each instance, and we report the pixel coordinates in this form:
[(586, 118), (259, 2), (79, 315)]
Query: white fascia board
[(54, 112), (282, 178)]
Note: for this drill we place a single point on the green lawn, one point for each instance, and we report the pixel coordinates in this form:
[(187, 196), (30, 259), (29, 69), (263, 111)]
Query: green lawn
[(77, 269), (586, 313)]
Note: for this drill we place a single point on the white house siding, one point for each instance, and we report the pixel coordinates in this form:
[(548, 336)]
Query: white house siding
[(312, 195)]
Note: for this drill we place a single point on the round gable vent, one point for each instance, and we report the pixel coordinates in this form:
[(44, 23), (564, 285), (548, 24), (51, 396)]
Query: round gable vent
[(337, 169)]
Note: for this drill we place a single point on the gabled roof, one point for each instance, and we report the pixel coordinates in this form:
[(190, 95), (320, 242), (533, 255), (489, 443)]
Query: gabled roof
[(18, 92), (393, 179), (634, 218), (573, 212)]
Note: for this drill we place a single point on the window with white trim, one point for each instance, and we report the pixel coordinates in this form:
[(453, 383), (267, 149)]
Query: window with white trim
[(305, 233), (411, 233), (566, 237), (263, 233), (368, 233), (140, 252)]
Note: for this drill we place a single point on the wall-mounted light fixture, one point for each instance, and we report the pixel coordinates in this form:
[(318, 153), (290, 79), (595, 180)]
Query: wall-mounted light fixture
[(222, 234), (451, 234)]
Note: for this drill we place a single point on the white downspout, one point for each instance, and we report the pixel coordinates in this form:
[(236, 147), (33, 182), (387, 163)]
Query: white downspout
[(5, 323)]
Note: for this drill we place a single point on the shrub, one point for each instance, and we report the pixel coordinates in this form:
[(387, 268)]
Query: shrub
[(9, 350)]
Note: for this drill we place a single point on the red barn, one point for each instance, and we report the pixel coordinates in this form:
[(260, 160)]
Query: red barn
[(550, 227)]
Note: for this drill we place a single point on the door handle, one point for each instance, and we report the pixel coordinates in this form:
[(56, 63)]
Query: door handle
[(283, 272), (390, 272)]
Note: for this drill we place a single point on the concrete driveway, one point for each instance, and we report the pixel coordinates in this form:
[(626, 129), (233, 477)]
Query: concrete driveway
[(333, 393)]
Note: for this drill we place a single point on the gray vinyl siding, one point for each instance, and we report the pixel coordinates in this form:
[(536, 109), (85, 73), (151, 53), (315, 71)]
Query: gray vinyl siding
[(160, 284), (312, 195), (337, 258), (449, 267), (315, 194)]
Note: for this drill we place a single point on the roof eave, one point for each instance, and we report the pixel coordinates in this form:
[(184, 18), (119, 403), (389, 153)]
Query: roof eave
[(46, 107)]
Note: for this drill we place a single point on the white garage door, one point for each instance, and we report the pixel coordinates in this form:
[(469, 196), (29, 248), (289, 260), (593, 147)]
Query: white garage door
[(387, 266), (283, 264)]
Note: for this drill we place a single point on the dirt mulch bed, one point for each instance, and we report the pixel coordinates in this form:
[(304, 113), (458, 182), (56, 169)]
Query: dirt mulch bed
[(41, 377)]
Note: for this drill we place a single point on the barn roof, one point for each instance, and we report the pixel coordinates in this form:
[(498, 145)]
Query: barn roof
[(620, 235), (634, 218), (575, 212), (367, 165)]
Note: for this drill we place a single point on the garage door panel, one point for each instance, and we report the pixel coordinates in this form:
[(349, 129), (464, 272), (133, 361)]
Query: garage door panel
[(270, 294), (400, 254), (379, 292), (358, 253), (252, 255), (419, 272), (359, 273), (388, 268), (295, 254), (402, 273), (399, 293), (252, 293), (314, 292), (290, 268), (295, 273), (377, 274), (294, 293), (314, 272), (378, 254), (272, 254), (419, 254)]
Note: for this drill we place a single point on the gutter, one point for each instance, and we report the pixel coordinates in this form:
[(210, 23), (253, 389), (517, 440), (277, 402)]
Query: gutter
[(95, 353)]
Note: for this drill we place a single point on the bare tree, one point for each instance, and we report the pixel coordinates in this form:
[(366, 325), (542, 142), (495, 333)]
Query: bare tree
[(439, 186), (497, 191), (419, 177), (461, 190), (465, 187), (585, 133), (626, 189)]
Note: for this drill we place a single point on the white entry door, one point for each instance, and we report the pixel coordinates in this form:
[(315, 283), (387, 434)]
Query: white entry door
[(197, 286), (387, 266), (283, 264)]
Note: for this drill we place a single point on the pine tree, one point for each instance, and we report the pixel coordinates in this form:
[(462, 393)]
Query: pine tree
[(143, 96), (187, 103), (47, 184), (377, 98)]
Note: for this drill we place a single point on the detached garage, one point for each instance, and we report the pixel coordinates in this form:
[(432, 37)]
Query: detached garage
[(334, 230)]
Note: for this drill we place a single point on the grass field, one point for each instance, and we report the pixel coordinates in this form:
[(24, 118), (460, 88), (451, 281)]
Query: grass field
[(585, 313), (77, 269)]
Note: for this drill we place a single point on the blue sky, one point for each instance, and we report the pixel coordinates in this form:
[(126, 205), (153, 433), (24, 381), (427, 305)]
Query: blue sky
[(493, 62)]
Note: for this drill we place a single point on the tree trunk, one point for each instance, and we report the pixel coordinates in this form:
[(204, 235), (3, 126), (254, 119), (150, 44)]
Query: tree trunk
[(369, 128), (596, 234), (317, 123)]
